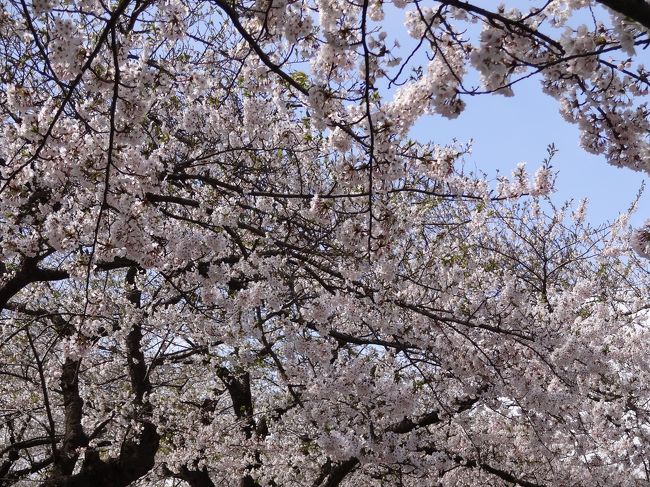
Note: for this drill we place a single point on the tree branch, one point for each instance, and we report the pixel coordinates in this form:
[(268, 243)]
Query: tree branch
[(636, 10), (29, 273)]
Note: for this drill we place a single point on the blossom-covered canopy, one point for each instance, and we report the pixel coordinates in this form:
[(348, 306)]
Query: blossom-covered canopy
[(223, 260)]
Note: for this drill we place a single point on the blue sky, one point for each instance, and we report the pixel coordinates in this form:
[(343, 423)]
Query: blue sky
[(507, 131)]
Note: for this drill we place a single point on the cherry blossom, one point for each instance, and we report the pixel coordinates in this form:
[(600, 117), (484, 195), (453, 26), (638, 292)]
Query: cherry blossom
[(224, 260)]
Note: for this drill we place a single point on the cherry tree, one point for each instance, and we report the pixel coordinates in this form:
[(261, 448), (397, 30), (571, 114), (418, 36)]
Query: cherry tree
[(223, 261)]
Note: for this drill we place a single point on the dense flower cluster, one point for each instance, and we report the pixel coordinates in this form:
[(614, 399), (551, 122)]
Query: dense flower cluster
[(223, 261)]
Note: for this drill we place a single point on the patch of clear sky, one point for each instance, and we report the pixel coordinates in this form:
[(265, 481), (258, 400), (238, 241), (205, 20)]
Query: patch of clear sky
[(506, 131)]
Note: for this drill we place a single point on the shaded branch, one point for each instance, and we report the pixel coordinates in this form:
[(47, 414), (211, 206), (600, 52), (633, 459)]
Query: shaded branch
[(636, 10), (28, 273)]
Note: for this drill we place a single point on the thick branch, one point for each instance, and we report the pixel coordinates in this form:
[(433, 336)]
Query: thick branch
[(138, 452), (636, 10), (74, 436), (407, 424), (502, 474), (239, 389), (29, 273), (195, 478), (333, 475)]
